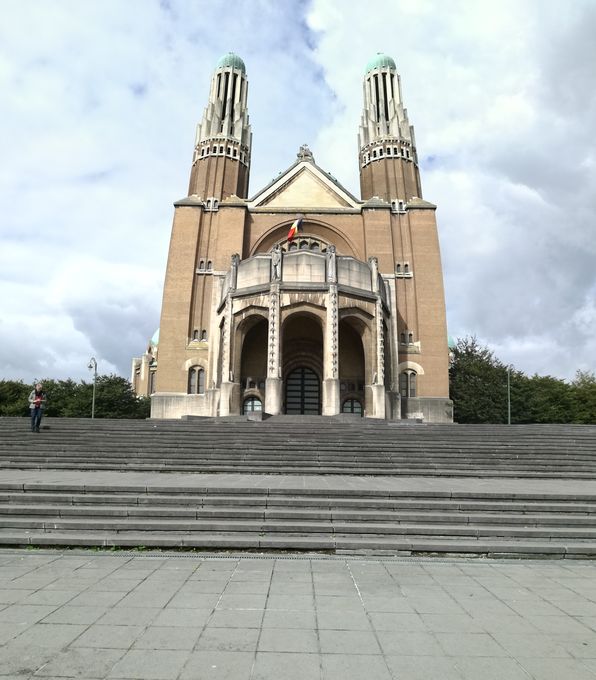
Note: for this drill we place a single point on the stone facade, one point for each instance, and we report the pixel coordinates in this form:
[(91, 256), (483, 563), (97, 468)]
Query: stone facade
[(348, 316)]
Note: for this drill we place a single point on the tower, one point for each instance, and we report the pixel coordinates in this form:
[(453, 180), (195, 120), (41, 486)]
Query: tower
[(221, 158), (387, 146), (343, 313)]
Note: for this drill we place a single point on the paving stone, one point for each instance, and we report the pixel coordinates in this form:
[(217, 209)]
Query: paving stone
[(161, 637), (185, 618), (348, 642), (470, 644), (23, 661), (122, 616), (289, 619), (409, 644), (450, 623), (145, 664), (194, 600), (52, 635), (50, 597), (81, 663), (337, 620), (556, 669), (228, 639), (425, 668), (213, 665), (68, 614), (289, 666), (528, 646), (473, 668), (292, 602), (116, 637), (240, 601), (25, 613), (288, 640), (354, 667), (389, 621)]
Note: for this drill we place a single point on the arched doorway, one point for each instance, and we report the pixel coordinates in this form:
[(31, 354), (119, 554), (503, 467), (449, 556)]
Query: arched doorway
[(303, 392), (302, 344)]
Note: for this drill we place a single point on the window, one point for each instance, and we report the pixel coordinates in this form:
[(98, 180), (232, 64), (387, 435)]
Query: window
[(402, 338), (202, 266), (352, 406), (195, 335), (252, 405), (151, 382), (407, 384), (406, 268), (410, 338), (204, 336), (398, 268), (196, 380), (209, 266)]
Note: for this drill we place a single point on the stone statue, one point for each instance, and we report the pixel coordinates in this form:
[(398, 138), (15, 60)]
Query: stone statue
[(234, 270), (276, 263), (331, 264)]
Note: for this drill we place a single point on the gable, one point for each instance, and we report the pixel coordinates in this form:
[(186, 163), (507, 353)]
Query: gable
[(303, 186)]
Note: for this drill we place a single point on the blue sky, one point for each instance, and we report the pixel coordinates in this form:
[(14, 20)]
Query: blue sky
[(99, 106)]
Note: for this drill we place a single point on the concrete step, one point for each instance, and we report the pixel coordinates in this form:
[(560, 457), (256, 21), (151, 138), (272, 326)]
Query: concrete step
[(492, 547)]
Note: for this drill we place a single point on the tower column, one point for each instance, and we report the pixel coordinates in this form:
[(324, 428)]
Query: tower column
[(331, 401), (273, 382)]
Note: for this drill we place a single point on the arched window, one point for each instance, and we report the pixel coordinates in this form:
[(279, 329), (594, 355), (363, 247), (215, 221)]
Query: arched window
[(407, 384), (196, 380), (202, 266), (402, 338), (398, 268), (209, 266), (406, 268), (204, 336), (251, 405), (410, 338), (352, 406)]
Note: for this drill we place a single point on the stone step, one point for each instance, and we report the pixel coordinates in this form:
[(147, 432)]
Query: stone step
[(302, 528), (11, 502), (492, 547)]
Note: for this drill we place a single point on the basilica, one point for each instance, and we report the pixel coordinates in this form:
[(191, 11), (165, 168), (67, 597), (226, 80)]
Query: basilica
[(301, 298)]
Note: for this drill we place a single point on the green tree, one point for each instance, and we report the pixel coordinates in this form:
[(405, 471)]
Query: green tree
[(583, 396), (14, 398), (478, 384)]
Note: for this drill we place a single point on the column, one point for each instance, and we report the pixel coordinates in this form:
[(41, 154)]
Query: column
[(378, 381), (331, 396), (273, 382)]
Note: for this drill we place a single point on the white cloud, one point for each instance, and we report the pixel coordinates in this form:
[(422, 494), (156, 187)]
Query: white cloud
[(100, 104)]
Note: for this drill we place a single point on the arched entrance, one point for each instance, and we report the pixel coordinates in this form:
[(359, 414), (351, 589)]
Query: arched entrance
[(302, 343), (303, 392)]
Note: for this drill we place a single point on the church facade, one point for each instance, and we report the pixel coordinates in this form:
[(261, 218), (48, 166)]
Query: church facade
[(301, 299)]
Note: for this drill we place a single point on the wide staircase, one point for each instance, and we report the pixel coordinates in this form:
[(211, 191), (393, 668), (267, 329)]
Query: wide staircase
[(300, 483)]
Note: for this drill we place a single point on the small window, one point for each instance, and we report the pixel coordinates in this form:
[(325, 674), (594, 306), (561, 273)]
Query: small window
[(202, 266), (398, 268), (380, 152), (352, 406), (407, 384), (374, 153), (195, 335), (395, 151), (202, 152), (406, 268), (402, 338), (410, 338), (196, 380), (204, 336), (221, 149), (235, 153), (252, 405), (209, 266), (151, 382), (214, 149)]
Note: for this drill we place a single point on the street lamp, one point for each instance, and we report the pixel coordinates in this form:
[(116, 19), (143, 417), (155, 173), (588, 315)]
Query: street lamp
[(92, 366), (508, 395)]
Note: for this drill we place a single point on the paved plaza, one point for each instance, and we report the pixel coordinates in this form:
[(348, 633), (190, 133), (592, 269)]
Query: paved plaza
[(86, 614)]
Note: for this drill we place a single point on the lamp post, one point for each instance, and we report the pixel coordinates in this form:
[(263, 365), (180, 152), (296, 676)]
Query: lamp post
[(508, 395), (92, 366)]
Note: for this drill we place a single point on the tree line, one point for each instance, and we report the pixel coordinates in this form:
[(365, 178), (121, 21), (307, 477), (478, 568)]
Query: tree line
[(114, 398), (478, 388)]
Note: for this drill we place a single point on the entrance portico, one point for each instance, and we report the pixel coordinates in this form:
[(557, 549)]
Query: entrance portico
[(305, 336)]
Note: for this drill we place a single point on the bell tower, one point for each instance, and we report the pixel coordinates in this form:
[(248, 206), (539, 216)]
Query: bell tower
[(221, 159), (387, 156)]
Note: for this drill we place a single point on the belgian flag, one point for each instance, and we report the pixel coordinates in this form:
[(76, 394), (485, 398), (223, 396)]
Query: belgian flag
[(295, 228)]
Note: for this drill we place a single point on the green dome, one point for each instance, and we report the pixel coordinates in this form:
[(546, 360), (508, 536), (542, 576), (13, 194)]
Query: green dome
[(155, 338), (451, 342), (380, 60), (233, 60)]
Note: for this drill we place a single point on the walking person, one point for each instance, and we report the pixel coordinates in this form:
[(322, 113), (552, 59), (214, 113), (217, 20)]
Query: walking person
[(37, 401)]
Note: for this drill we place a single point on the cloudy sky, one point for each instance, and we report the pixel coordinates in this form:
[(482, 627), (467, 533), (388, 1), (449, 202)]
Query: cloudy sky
[(99, 100)]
